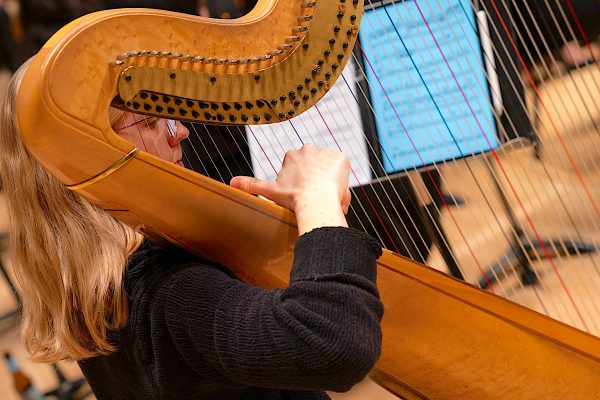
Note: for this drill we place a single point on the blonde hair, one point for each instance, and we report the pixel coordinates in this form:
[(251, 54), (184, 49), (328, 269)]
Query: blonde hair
[(68, 254)]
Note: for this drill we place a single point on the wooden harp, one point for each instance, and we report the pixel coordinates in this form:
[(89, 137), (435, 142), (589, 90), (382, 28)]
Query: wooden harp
[(443, 339)]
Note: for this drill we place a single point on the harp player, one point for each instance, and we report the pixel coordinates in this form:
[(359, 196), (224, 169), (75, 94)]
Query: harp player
[(146, 322)]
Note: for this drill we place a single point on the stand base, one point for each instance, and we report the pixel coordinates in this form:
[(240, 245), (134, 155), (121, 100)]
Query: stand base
[(525, 249)]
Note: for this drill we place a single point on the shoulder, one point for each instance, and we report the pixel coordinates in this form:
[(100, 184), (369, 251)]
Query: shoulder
[(159, 276)]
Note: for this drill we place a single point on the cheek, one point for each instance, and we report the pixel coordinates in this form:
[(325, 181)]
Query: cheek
[(139, 142), (136, 139), (129, 137)]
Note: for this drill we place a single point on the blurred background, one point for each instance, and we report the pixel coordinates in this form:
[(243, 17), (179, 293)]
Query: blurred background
[(25, 25)]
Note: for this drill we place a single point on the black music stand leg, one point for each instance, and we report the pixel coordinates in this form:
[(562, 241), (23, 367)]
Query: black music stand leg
[(441, 240), (430, 217), (522, 249), (517, 258), (514, 257)]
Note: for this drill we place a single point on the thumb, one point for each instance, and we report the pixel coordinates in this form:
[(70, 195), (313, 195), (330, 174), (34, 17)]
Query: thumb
[(252, 185)]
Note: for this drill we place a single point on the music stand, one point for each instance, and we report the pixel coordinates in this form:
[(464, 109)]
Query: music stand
[(509, 118)]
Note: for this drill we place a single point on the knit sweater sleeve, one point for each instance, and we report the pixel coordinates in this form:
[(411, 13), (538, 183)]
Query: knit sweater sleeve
[(322, 332)]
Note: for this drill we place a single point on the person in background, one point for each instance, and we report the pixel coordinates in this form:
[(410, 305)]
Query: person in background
[(551, 26), (186, 7), (42, 18), (224, 9)]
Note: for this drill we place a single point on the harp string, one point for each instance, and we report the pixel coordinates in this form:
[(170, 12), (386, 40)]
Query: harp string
[(446, 126), (572, 223), (549, 176), (377, 160), (516, 69), (492, 108), (540, 52), (572, 220), (461, 154), (243, 135), (553, 59), (235, 159), (569, 93), (295, 130), (218, 152), (191, 143), (262, 149), (543, 105), (370, 202), (413, 65), (376, 117), (467, 59), (390, 195), (581, 30), (564, 39), (527, 216), (576, 86), (426, 168), (367, 101), (505, 174), (477, 183), (521, 103), (207, 151)]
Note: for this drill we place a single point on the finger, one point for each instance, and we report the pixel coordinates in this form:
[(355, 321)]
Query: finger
[(252, 185), (308, 148), (287, 156)]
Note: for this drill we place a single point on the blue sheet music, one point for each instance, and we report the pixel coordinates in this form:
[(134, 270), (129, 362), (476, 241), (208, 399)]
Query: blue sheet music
[(422, 115)]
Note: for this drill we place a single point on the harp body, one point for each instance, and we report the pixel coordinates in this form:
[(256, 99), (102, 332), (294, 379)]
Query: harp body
[(441, 336)]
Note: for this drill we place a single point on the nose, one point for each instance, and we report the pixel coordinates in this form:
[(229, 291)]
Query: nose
[(177, 132)]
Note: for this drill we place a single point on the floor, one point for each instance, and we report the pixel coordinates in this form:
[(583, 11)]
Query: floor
[(552, 191), (553, 194)]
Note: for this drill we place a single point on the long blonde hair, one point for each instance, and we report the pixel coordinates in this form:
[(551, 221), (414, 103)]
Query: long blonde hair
[(68, 254)]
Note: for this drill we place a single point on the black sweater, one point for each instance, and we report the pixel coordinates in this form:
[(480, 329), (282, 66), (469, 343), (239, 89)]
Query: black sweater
[(197, 332)]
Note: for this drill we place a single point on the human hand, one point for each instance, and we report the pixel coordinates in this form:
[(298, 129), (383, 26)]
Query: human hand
[(312, 182)]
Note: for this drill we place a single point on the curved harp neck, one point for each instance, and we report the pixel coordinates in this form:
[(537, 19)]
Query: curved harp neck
[(266, 67)]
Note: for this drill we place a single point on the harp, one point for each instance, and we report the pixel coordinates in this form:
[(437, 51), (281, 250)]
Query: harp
[(443, 338)]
